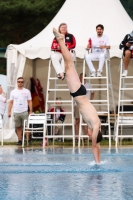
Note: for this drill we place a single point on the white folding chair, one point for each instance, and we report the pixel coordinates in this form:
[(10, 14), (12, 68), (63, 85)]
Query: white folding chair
[(29, 126)]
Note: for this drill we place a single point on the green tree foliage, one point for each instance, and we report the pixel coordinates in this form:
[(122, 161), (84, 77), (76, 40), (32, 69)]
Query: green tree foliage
[(21, 20), (128, 5)]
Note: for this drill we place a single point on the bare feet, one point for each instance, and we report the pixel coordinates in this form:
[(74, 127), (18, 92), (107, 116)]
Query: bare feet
[(61, 76), (58, 35)]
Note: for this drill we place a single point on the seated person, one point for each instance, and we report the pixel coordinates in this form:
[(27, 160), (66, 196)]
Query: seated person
[(58, 118), (56, 55), (127, 45), (99, 44)]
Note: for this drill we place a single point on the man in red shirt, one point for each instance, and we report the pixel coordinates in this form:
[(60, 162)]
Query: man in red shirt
[(56, 56)]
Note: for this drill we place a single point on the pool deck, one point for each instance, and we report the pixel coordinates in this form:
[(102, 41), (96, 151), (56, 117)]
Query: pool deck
[(64, 146)]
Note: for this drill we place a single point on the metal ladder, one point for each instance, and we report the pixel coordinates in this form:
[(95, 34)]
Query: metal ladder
[(124, 118), (99, 102), (59, 88)]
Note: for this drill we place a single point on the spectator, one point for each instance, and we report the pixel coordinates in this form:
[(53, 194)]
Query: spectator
[(20, 99), (90, 96), (2, 101), (127, 45), (56, 55), (58, 118), (99, 44)]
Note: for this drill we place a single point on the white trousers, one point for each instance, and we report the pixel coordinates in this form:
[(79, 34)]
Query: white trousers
[(58, 61), (93, 57)]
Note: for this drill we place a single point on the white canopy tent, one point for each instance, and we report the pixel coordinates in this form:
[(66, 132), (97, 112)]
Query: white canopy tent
[(30, 58), (82, 16)]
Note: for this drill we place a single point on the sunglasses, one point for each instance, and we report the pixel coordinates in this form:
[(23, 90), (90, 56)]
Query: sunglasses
[(20, 81)]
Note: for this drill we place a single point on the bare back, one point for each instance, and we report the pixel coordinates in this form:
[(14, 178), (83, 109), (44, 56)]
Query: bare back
[(88, 112)]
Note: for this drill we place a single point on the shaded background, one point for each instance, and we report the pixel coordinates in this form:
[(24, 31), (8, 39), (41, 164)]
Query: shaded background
[(22, 20)]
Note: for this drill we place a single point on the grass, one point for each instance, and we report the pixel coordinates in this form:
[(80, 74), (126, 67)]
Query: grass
[(68, 143)]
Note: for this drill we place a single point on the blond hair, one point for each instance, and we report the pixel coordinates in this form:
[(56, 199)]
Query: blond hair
[(62, 24)]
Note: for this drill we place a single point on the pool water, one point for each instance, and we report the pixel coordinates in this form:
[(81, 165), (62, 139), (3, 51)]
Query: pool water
[(65, 174)]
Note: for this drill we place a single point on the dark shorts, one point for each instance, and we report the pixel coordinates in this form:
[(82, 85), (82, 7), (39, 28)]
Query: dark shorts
[(80, 92), (99, 137), (127, 50)]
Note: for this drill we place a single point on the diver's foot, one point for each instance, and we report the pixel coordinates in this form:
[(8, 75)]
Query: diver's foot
[(58, 35)]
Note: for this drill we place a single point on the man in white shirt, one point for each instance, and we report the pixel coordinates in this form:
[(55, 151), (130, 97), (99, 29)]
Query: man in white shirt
[(2, 101), (99, 44), (20, 99), (90, 96)]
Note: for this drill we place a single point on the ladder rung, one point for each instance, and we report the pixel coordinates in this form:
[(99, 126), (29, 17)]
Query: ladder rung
[(126, 100), (99, 101), (63, 104), (37, 137), (125, 84), (102, 77), (109, 85), (126, 89), (58, 136), (97, 89), (58, 89), (126, 112), (124, 136), (85, 136), (97, 85), (123, 124), (127, 77), (103, 124), (63, 124), (61, 85), (100, 104), (60, 112), (53, 78), (106, 136), (63, 101), (102, 113)]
